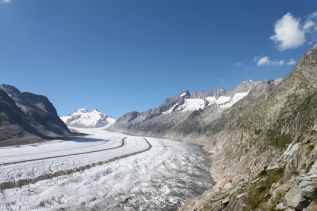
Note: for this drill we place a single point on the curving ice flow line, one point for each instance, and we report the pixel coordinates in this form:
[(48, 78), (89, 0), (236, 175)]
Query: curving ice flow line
[(23, 182), (63, 150), (60, 156)]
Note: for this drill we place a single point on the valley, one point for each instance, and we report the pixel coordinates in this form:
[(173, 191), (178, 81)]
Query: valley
[(158, 105), (103, 170)]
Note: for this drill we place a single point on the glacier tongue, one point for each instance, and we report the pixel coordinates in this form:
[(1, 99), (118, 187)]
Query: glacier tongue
[(161, 178)]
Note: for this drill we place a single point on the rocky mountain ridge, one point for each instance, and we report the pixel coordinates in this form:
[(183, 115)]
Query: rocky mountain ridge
[(27, 118)]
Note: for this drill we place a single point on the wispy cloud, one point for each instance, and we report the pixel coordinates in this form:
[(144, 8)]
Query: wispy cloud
[(310, 24), (265, 61), (291, 62), (290, 32), (5, 1)]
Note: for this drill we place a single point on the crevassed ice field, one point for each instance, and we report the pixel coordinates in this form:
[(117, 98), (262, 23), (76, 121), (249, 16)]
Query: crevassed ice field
[(103, 170)]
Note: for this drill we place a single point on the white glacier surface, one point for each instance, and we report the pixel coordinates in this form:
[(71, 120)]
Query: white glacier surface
[(161, 178)]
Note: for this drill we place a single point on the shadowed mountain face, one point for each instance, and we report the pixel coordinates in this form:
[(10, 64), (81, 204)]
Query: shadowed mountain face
[(27, 118)]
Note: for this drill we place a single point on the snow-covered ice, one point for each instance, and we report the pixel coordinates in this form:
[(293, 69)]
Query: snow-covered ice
[(161, 178), (192, 104), (218, 101), (226, 101), (236, 97)]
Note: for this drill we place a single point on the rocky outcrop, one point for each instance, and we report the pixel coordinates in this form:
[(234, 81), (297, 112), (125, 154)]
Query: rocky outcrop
[(27, 118)]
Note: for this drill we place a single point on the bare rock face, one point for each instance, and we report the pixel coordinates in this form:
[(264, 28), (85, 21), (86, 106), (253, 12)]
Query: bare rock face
[(27, 118), (294, 199), (302, 193)]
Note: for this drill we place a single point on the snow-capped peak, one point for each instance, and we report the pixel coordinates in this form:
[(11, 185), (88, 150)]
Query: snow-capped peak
[(88, 119)]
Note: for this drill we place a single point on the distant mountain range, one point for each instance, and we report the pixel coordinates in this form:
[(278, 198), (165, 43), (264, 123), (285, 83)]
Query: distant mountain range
[(174, 113), (27, 118), (88, 119)]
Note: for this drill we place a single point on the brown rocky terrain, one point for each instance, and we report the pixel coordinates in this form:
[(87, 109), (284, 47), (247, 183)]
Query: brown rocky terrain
[(263, 147)]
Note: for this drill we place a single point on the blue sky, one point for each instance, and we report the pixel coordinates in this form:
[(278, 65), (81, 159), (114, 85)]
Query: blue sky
[(124, 55)]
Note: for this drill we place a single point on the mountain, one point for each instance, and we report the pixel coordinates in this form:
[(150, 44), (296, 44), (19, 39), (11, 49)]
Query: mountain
[(263, 147), (88, 119), (174, 112), (27, 118)]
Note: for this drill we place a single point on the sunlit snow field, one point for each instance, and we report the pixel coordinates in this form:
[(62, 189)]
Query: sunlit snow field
[(128, 173)]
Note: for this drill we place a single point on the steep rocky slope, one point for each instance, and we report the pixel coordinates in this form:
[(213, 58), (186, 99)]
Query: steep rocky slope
[(264, 151), (263, 146), (88, 119), (27, 118)]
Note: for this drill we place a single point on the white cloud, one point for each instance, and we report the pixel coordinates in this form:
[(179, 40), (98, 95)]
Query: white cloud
[(288, 32), (291, 32), (310, 24), (291, 62), (265, 61), (5, 1)]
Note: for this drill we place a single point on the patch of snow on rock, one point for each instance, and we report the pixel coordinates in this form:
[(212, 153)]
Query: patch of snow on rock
[(218, 101), (236, 97), (226, 101), (170, 110), (192, 105), (183, 94)]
